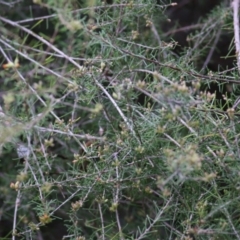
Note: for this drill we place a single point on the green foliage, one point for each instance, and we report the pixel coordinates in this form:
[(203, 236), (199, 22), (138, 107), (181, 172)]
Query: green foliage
[(105, 131)]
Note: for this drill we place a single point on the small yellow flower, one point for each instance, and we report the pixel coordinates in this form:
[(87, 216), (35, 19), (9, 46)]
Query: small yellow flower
[(14, 64), (45, 218)]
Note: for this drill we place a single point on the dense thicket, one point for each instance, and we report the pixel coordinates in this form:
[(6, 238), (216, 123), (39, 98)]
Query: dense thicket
[(119, 120)]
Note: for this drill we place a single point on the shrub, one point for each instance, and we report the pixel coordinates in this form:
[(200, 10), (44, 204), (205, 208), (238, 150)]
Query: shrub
[(108, 130)]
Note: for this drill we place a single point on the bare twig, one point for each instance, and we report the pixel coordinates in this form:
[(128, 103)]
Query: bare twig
[(235, 6)]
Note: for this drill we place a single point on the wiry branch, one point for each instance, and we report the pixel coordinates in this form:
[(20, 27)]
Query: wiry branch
[(235, 6)]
